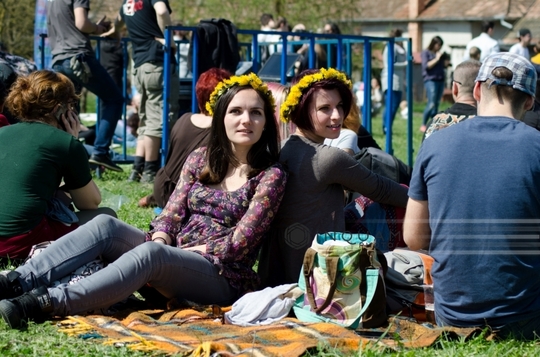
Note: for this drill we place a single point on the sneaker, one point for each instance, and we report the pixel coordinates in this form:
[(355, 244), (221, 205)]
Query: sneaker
[(148, 176), (35, 305), (10, 287), (104, 160), (134, 176)]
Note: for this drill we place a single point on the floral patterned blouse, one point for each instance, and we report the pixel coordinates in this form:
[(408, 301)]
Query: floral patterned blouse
[(232, 224)]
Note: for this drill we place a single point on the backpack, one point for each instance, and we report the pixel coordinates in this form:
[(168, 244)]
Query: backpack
[(407, 272), (384, 164), (218, 46)]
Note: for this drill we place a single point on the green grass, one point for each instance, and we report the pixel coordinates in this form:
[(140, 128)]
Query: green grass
[(44, 340)]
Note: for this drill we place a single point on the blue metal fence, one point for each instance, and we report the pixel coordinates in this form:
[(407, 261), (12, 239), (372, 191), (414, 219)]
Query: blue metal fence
[(344, 62)]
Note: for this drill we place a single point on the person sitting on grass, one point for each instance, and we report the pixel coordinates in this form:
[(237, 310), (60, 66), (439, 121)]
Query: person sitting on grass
[(203, 245), (38, 154), (475, 204), (317, 103)]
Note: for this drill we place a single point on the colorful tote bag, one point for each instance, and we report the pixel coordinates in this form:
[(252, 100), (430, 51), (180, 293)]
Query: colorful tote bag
[(342, 282)]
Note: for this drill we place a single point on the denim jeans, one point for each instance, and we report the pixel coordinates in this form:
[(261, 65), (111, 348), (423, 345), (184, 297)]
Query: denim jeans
[(396, 100), (434, 92), (104, 87), (527, 329), (132, 263)]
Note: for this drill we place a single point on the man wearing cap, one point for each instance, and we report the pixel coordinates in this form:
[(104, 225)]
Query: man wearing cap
[(521, 48), (474, 202)]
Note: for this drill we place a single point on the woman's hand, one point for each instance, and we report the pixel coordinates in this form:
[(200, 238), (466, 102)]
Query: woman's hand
[(71, 123), (200, 248)]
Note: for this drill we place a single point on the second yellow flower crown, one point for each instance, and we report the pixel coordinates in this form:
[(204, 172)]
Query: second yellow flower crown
[(297, 90), (241, 81)]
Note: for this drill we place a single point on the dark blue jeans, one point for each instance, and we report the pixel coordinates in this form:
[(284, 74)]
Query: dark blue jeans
[(527, 329), (396, 100), (434, 92), (104, 87)]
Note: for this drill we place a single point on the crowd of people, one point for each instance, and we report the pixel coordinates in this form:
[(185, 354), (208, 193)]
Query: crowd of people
[(233, 193)]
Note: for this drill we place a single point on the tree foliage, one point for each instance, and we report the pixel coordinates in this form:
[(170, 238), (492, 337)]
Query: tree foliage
[(17, 16), (245, 13), (17, 26)]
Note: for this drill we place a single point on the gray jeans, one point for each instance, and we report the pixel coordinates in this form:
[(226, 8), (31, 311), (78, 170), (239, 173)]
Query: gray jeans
[(132, 263)]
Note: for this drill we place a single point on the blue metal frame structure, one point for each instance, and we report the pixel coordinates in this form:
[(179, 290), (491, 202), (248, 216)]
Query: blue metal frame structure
[(344, 64)]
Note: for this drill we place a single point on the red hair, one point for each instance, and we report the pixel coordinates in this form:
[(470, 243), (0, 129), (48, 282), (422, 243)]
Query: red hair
[(206, 84)]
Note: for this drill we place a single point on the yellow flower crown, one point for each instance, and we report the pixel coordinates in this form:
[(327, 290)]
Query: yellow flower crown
[(296, 91), (241, 81)]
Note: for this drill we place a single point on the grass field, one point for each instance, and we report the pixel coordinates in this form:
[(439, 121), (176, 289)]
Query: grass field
[(44, 340)]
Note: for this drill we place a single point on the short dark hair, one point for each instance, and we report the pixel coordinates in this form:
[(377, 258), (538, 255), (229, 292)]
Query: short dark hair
[(206, 84), (396, 32), (466, 73), (262, 154), (516, 97), (486, 25), (300, 115), (265, 19), (437, 40)]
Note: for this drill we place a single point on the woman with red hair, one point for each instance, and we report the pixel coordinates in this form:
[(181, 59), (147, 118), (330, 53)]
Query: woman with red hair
[(188, 133)]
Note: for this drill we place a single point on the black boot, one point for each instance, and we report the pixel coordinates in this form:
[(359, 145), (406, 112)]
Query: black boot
[(150, 170), (35, 305), (10, 286), (136, 171)]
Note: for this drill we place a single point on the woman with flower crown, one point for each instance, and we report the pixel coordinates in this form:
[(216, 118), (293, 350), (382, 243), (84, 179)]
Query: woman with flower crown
[(317, 104), (203, 245)]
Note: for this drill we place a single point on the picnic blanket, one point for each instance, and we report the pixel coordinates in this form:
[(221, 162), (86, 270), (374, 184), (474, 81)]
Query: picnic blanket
[(201, 332)]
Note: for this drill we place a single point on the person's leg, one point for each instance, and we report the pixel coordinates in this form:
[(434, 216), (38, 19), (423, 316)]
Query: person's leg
[(439, 90), (65, 68), (527, 329), (395, 105), (138, 159), (430, 95), (104, 236), (153, 78), (385, 111), (103, 86), (87, 215), (171, 271)]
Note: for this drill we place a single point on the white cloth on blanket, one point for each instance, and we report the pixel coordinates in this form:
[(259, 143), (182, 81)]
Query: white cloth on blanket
[(263, 307)]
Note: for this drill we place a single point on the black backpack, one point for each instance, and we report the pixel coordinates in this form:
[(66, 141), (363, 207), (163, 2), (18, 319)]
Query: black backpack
[(384, 164), (218, 46)]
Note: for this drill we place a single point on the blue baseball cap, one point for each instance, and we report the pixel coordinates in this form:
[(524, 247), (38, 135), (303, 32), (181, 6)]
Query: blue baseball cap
[(524, 74)]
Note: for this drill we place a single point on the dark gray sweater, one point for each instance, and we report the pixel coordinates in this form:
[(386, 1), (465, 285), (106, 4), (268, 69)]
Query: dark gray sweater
[(313, 203)]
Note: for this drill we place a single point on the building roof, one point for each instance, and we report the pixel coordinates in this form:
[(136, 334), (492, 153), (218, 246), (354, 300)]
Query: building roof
[(388, 10), (444, 10), (530, 20)]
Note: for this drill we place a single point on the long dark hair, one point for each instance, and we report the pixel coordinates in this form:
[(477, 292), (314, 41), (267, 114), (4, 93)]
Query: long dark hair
[(220, 155), (434, 41)]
